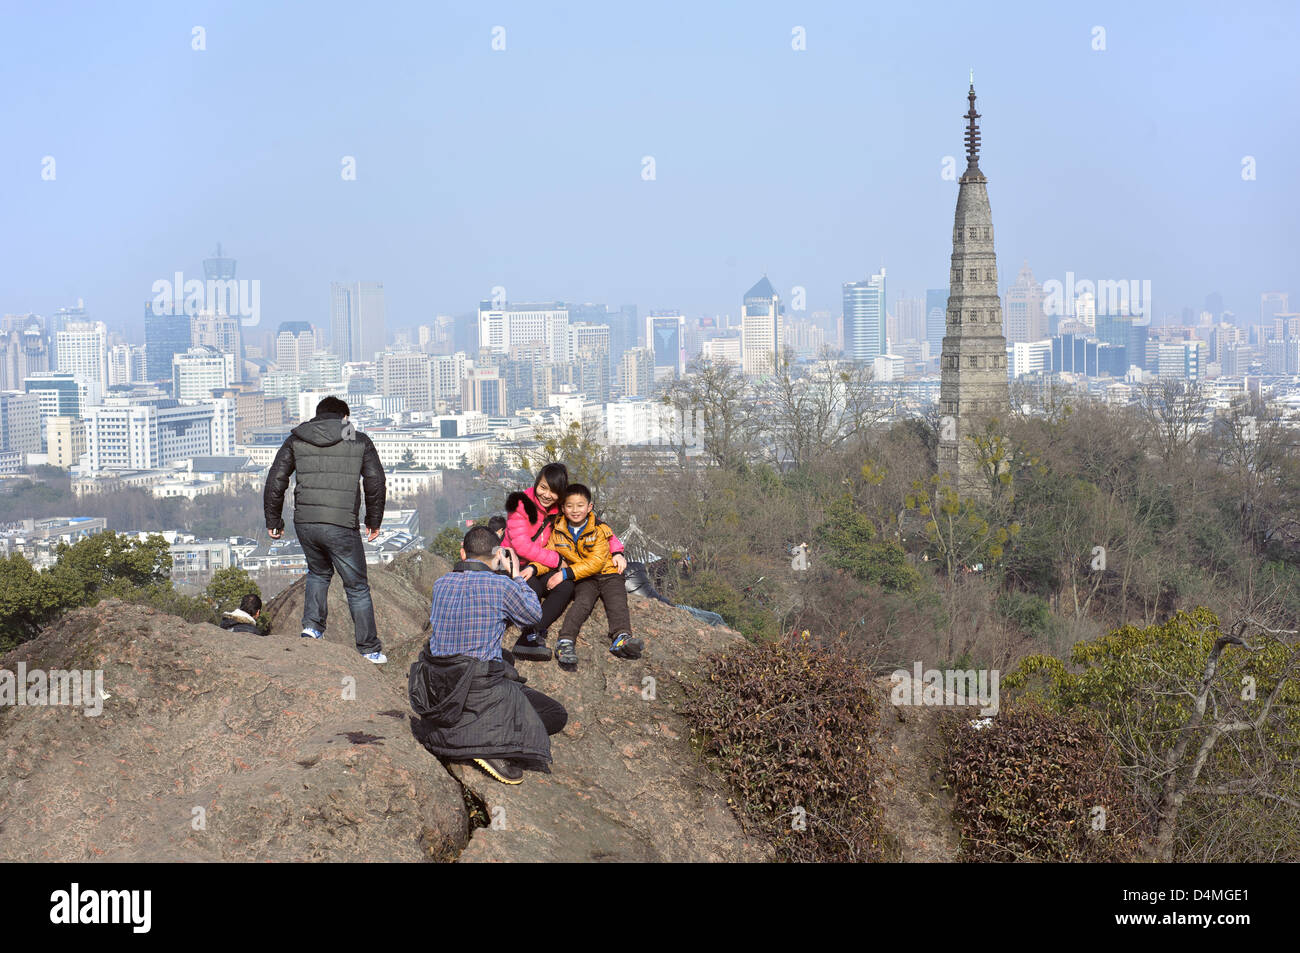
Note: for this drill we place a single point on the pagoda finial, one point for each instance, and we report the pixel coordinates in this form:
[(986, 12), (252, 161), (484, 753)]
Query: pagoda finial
[(972, 128)]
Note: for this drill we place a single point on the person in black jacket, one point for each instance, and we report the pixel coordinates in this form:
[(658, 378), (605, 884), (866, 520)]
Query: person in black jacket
[(244, 619), (473, 705), (333, 461)]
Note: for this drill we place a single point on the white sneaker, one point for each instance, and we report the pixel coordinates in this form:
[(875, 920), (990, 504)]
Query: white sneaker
[(379, 658), (312, 634)]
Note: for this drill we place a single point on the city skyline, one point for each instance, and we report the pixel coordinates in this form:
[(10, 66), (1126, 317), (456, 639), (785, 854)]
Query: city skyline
[(441, 217)]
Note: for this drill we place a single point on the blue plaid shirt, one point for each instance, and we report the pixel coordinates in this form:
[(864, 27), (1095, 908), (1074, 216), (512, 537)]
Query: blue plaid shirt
[(471, 607)]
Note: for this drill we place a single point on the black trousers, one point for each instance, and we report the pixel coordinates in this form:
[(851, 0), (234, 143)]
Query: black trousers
[(610, 589), (552, 713), (553, 600)]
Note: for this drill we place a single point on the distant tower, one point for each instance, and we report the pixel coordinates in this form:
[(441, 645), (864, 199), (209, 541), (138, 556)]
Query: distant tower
[(973, 367)]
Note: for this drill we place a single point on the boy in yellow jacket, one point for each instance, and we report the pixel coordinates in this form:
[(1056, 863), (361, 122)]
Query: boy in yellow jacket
[(583, 543)]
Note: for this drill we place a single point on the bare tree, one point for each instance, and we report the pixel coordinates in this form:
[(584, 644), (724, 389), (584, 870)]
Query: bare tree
[(722, 403), (1173, 412)]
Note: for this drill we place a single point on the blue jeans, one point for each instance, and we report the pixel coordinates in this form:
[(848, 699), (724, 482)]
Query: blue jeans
[(327, 548)]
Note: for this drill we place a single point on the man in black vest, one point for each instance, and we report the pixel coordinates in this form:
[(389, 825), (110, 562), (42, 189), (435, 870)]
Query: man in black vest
[(332, 460)]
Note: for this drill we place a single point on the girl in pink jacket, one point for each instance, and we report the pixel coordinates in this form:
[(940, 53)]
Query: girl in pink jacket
[(530, 515)]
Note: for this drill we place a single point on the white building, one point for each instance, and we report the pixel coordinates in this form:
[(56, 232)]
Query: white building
[(82, 349), (1030, 357), (121, 435), (500, 329), (197, 372), (427, 449), (447, 372)]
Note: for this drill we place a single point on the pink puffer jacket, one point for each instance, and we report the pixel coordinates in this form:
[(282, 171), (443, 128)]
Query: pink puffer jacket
[(528, 528)]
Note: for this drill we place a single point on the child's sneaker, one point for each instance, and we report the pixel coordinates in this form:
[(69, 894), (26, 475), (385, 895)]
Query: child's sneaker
[(625, 645), (379, 658), (312, 634), (532, 646), (566, 654)]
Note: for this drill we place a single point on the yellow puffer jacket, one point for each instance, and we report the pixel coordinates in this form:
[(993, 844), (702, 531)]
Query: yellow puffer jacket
[(589, 555)]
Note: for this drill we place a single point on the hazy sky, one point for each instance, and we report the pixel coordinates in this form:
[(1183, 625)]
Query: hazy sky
[(523, 167)]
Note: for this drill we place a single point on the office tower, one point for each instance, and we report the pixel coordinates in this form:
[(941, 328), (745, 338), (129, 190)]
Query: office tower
[(166, 334), (1026, 319), (82, 349), (589, 346), (61, 395), (665, 331), (1085, 310), (864, 319), (761, 325), (1272, 303), (295, 344), (973, 364), (936, 318), (221, 332), (1214, 305), (447, 371), (909, 320), (408, 375), (358, 325), (636, 372), (59, 319), (504, 327), (483, 391), (199, 371), (126, 365), (20, 422)]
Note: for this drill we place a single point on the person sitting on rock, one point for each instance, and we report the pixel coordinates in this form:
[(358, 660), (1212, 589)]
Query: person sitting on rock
[(472, 703), (582, 541), (529, 516), (498, 525), (244, 619)]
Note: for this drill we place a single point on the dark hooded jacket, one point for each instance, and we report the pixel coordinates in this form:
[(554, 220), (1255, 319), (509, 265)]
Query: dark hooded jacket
[(240, 621), (470, 708), (332, 459)]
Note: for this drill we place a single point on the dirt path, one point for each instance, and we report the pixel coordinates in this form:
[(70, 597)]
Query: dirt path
[(916, 806)]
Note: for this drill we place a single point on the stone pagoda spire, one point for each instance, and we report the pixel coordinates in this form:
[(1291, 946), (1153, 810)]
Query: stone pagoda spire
[(973, 366)]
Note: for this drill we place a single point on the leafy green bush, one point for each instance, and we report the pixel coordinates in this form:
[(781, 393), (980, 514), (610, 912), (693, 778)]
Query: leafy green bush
[(789, 726), (851, 545), (447, 544), (1033, 784)]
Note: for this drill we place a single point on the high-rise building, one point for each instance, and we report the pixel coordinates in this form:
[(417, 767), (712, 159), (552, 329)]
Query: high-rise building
[(761, 323), (20, 422), (589, 350), (936, 319), (358, 326), (908, 320), (166, 334), (199, 371), (973, 366), (24, 349), (408, 375), (295, 343), (511, 325), (1025, 318), (666, 331), (448, 370), (483, 391), (636, 372), (864, 319), (1272, 303), (61, 395), (1085, 310), (219, 331), (126, 365), (82, 348)]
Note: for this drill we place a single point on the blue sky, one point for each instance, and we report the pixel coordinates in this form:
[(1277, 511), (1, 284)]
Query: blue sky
[(522, 167)]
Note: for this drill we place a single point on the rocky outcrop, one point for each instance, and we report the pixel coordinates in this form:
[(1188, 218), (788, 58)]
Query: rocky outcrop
[(222, 746)]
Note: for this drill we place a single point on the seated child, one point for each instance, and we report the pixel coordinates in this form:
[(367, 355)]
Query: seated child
[(498, 525), (583, 543)]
